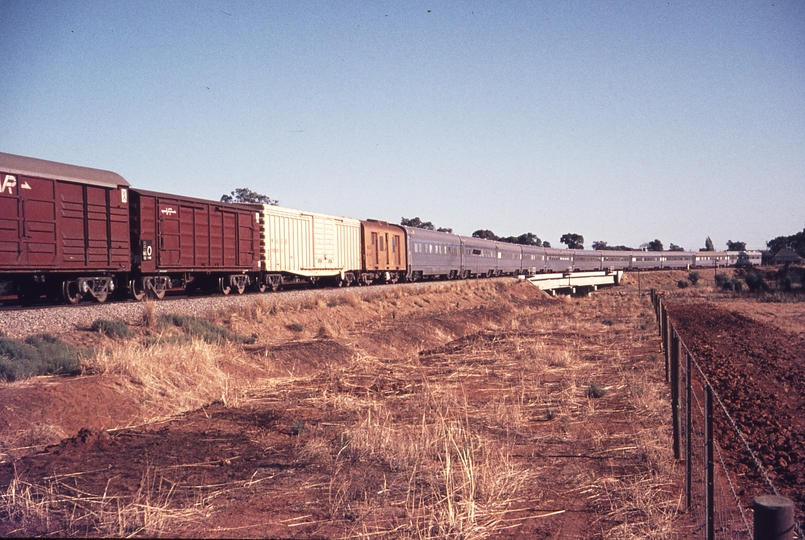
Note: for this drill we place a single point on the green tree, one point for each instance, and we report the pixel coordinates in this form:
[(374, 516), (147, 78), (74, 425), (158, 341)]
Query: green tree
[(245, 195), (526, 239), (417, 223), (572, 241), (708, 245), (736, 246), (546, 244), (794, 242), (674, 247), (599, 245), (655, 245), (486, 234)]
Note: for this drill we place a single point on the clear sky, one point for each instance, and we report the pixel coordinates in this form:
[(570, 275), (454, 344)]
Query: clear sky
[(623, 121)]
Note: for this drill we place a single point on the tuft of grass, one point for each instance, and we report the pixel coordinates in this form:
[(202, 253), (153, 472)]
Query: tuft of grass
[(147, 512), (296, 327), (298, 428), (149, 313), (111, 328), (595, 391), (41, 354), (196, 327), (683, 283)]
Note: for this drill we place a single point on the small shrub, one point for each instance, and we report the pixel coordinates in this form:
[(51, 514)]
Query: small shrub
[(298, 428), (209, 332), (111, 328), (332, 303), (738, 285), (723, 281), (595, 391), (683, 283), (785, 282), (41, 354), (755, 282), (149, 313), (296, 327), (694, 277), (607, 322)]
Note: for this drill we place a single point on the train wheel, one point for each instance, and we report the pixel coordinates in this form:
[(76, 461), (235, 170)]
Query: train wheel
[(70, 292), (260, 286), (136, 289), (223, 286)]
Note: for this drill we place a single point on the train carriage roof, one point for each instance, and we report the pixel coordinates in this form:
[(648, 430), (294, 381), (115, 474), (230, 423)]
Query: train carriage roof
[(52, 170)]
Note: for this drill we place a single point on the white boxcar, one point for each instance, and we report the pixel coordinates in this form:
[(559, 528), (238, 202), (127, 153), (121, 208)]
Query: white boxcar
[(305, 246)]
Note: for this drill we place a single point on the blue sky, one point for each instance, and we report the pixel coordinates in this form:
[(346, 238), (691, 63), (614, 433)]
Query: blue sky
[(620, 121)]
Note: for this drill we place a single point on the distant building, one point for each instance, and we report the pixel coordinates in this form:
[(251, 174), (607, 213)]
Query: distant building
[(786, 256)]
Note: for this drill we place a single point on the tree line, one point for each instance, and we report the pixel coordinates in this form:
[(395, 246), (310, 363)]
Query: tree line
[(795, 242)]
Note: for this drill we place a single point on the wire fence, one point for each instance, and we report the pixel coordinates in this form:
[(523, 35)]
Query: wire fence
[(718, 498)]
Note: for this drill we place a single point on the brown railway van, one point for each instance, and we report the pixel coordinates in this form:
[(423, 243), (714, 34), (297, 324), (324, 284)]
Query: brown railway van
[(182, 242), (383, 252), (64, 229)]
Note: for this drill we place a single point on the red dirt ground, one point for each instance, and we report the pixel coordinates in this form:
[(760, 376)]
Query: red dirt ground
[(257, 470), (759, 372)]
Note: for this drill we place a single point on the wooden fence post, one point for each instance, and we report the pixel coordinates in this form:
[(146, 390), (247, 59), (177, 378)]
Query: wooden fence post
[(774, 518), (689, 433), (709, 460), (675, 393)]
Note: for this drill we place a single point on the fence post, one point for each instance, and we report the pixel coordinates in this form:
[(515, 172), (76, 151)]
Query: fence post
[(708, 452), (666, 352), (774, 518), (689, 430), (675, 393)]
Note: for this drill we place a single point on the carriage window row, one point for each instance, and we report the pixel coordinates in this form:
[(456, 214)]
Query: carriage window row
[(480, 252), (441, 249)]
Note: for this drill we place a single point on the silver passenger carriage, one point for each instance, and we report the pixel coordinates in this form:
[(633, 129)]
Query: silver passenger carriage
[(533, 260), (432, 254), (587, 260), (510, 259), (480, 257)]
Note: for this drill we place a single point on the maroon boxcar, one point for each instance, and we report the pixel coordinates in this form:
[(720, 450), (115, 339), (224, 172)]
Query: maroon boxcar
[(64, 229), (181, 242)]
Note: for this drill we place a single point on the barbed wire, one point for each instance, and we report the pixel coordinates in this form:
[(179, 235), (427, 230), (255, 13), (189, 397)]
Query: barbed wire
[(758, 463)]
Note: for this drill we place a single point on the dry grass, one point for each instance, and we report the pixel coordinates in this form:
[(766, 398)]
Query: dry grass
[(458, 398), (174, 377), (149, 512)]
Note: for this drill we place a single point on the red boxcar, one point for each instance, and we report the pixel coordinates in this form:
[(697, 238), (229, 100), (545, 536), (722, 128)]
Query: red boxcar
[(64, 229), (181, 242)]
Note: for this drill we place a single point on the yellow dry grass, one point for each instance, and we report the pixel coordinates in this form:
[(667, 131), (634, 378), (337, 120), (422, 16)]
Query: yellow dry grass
[(462, 400)]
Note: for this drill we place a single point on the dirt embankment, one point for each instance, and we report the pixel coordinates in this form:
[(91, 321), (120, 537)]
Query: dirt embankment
[(481, 410)]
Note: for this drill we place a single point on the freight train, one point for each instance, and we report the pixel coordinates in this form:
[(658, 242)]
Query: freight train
[(70, 232)]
